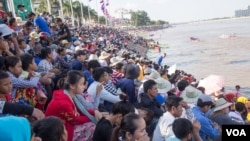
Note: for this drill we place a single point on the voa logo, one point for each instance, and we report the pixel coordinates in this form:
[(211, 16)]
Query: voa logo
[(236, 132)]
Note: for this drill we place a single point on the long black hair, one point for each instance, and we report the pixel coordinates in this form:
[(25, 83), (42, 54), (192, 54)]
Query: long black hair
[(71, 78), (127, 125)]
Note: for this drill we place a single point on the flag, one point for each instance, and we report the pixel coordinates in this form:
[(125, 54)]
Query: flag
[(107, 2), (103, 7)]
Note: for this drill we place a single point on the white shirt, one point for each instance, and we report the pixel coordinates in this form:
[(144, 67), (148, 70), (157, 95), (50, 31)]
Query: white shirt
[(103, 63), (236, 116), (104, 95), (163, 129)]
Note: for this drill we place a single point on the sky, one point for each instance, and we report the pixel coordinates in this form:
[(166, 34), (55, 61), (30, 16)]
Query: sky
[(175, 11)]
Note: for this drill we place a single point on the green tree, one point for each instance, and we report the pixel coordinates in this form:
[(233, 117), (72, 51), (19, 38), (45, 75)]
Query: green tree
[(66, 8), (42, 7), (102, 20), (161, 22), (140, 18)]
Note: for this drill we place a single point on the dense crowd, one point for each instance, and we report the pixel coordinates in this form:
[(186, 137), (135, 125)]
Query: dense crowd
[(92, 83)]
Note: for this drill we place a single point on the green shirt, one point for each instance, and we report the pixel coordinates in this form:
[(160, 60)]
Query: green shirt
[(21, 14)]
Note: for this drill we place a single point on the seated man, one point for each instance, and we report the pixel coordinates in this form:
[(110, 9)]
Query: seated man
[(148, 98), (208, 128), (174, 105)]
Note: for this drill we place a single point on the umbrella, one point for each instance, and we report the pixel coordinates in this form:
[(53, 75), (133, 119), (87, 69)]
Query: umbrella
[(212, 83)]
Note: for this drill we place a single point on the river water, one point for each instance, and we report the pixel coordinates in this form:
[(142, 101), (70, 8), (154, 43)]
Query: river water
[(212, 55)]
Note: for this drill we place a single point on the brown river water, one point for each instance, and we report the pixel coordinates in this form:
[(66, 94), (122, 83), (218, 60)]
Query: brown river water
[(215, 53)]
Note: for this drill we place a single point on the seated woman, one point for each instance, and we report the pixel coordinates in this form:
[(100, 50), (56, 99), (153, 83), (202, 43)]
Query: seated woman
[(62, 106), (45, 65), (60, 62), (132, 128)]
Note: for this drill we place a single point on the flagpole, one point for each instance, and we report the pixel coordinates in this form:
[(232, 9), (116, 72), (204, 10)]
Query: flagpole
[(106, 21), (49, 7), (61, 9), (72, 13), (89, 12), (98, 20), (82, 12)]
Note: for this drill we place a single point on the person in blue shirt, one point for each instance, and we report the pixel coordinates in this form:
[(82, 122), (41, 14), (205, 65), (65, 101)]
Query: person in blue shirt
[(127, 84), (159, 59), (92, 64), (78, 63), (208, 129), (40, 23)]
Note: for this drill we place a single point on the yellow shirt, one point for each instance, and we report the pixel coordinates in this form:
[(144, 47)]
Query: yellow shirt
[(141, 75), (248, 116)]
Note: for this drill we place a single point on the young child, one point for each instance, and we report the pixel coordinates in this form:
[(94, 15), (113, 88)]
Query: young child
[(14, 69), (22, 45), (5, 87), (29, 66), (237, 87)]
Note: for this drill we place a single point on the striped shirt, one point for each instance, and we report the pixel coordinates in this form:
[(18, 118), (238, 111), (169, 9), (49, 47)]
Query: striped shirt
[(116, 76)]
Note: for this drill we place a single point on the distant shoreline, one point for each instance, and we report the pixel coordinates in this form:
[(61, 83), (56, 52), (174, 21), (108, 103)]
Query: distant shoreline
[(212, 20)]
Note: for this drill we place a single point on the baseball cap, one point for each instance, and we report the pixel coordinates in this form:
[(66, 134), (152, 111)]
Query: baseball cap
[(20, 5), (205, 98)]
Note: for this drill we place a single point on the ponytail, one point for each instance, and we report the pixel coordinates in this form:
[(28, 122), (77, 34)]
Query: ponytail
[(60, 83)]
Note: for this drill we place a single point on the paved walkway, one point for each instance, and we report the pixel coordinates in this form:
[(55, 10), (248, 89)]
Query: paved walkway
[(138, 48)]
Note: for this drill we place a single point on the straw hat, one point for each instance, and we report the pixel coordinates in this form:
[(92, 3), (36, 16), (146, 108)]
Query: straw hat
[(65, 42), (104, 55), (19, 21), (163, 85), (93, 57), (190, 94), (120, 58), (34, 35), (221, 104), (153, 75), (114, 61), (147, 71)]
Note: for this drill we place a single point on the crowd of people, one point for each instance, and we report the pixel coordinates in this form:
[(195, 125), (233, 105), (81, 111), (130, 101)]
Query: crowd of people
[(90, 84)]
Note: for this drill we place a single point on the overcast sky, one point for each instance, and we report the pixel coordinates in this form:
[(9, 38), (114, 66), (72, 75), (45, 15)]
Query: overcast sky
[(176, 10)]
